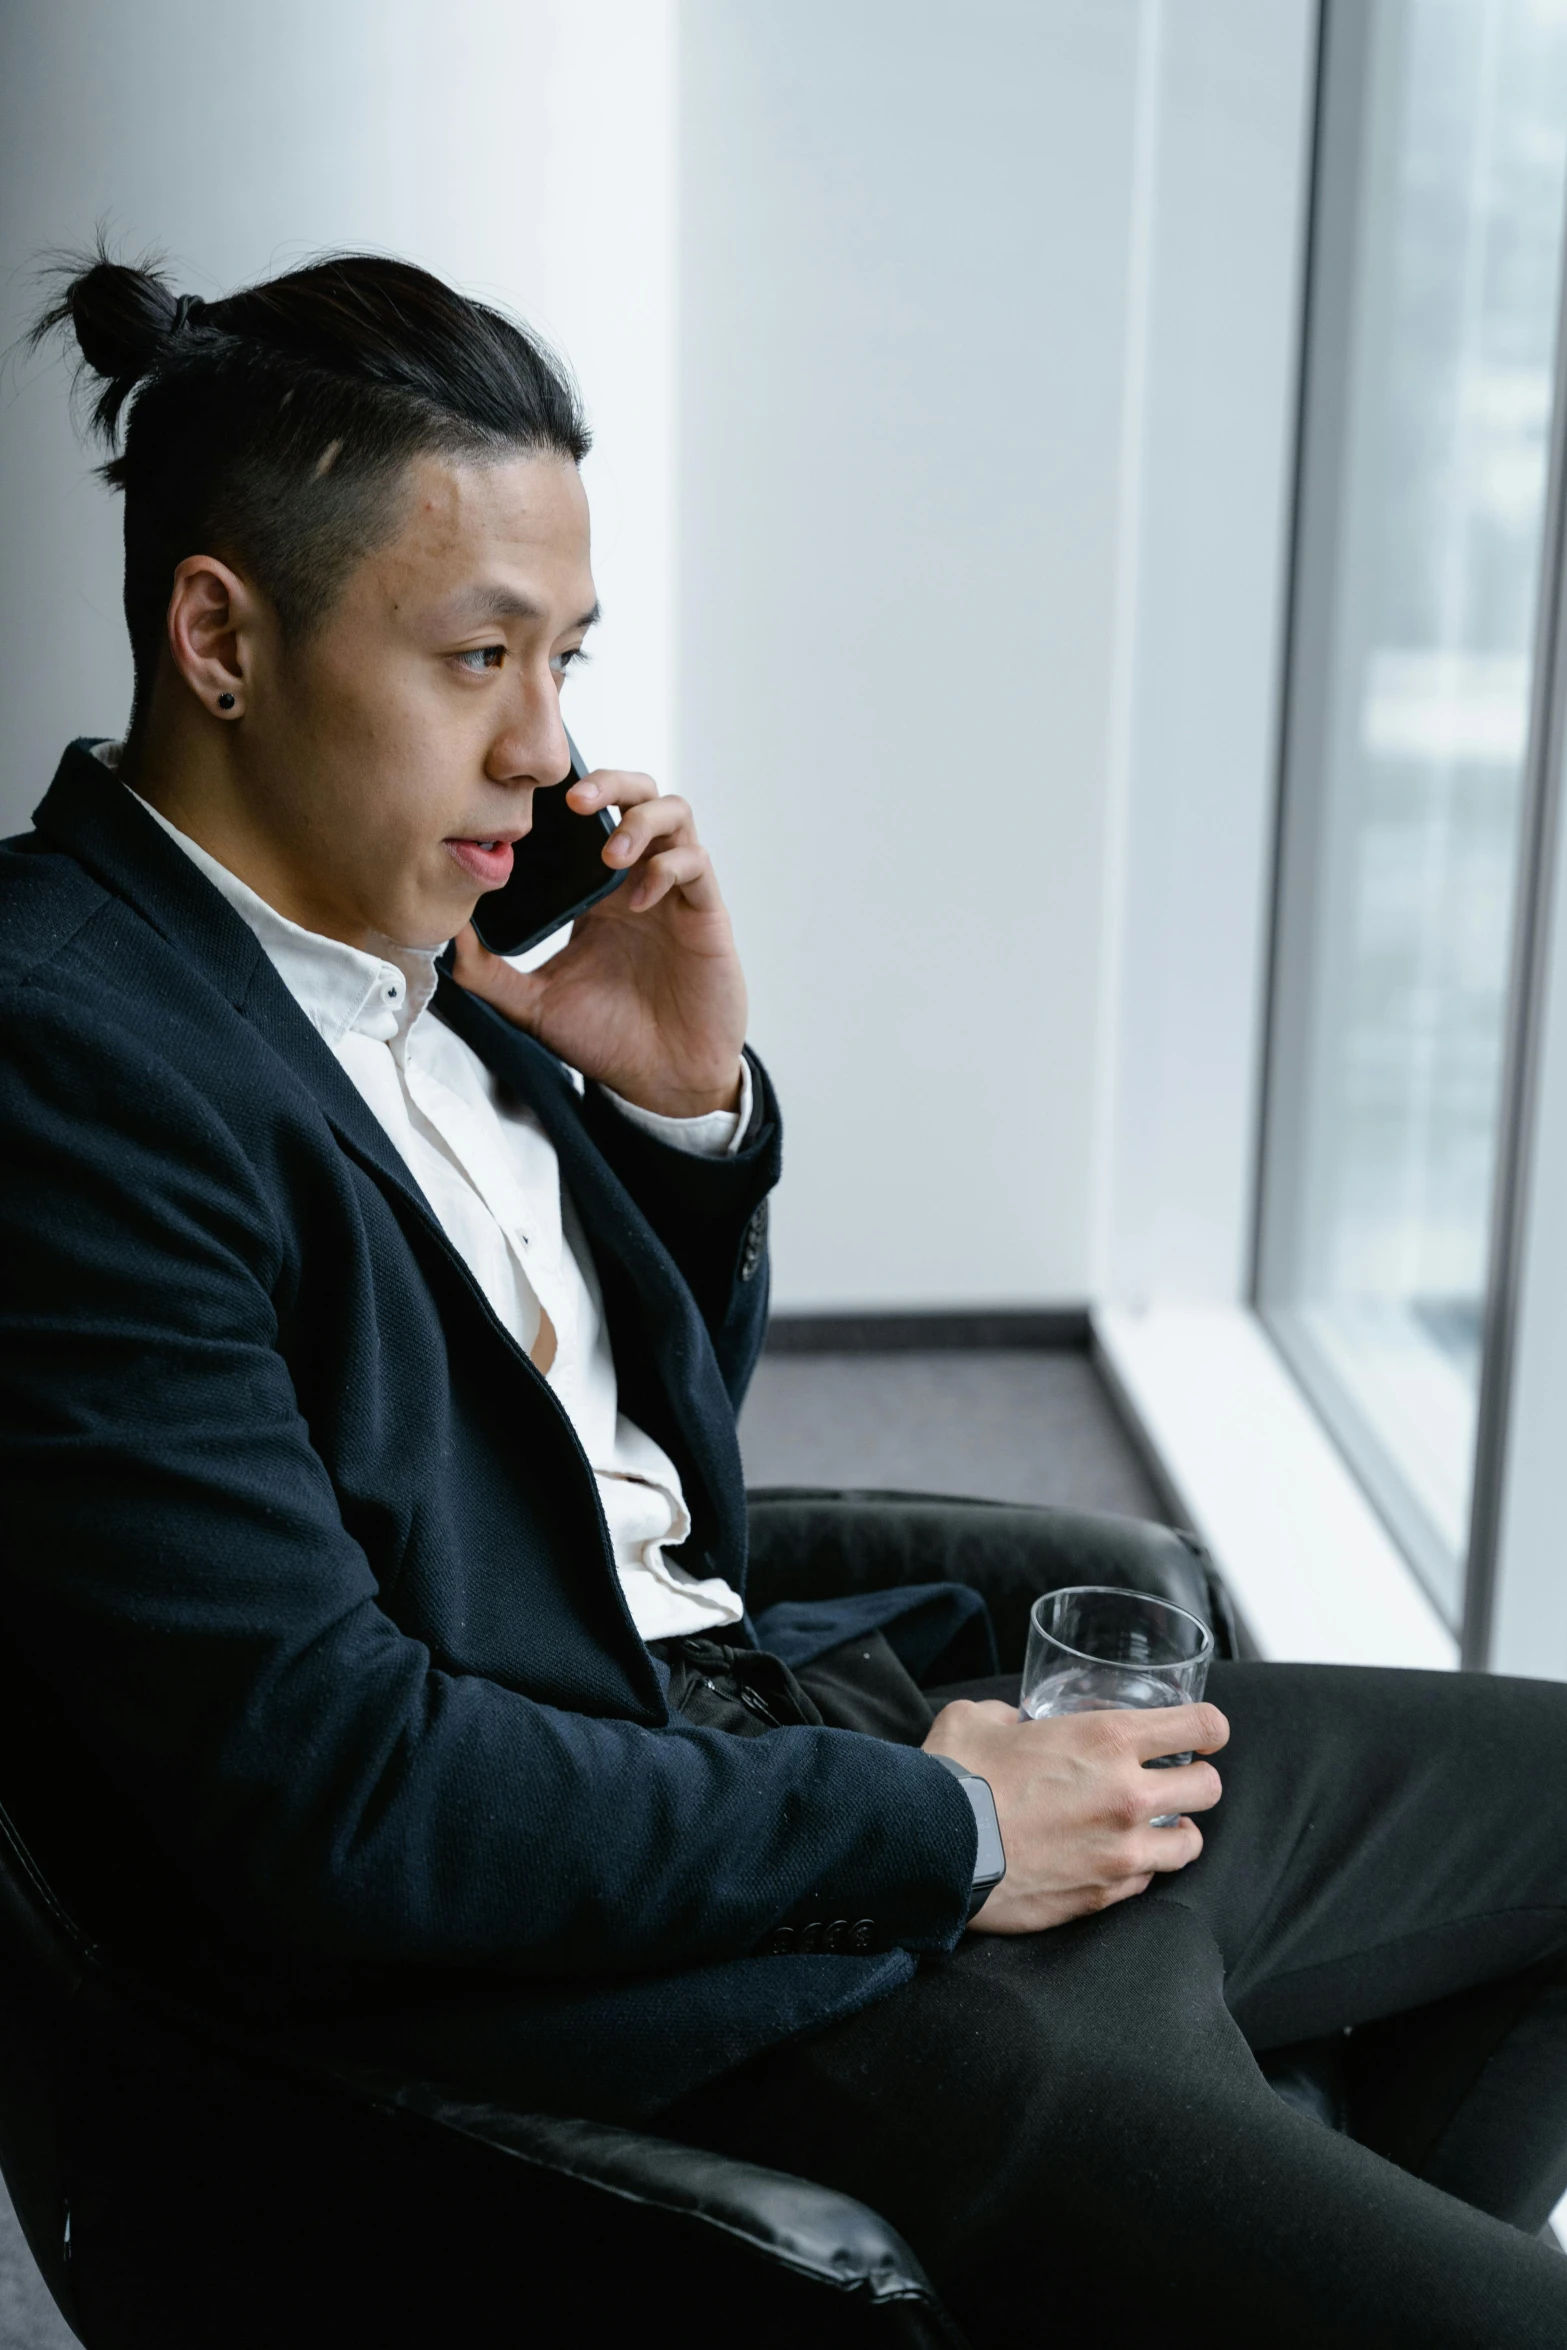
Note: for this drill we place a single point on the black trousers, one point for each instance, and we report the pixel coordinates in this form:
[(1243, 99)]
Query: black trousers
[(1072, 2130)]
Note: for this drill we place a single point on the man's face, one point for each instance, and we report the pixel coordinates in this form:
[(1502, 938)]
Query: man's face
[(392, 756)]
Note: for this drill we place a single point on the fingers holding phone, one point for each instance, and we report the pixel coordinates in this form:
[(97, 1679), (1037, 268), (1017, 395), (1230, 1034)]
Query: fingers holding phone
[(648, 997), (655, 843)]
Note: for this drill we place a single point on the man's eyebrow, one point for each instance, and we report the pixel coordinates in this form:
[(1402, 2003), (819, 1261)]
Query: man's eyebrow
[(505, 604)]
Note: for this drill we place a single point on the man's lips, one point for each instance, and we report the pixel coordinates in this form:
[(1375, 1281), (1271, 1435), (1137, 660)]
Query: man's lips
[(486, 861)]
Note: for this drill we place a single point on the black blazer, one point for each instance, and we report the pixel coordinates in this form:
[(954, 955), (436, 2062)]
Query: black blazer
[(318, 1684)]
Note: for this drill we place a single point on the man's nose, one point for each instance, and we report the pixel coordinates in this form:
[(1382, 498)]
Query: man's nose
[(533, 748)]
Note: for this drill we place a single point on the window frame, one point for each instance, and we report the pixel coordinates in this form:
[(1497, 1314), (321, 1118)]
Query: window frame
[(1334, 213)]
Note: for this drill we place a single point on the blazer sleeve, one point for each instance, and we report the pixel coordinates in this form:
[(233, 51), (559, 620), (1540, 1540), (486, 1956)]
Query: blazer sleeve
[(710, 1213), (177, 1576)]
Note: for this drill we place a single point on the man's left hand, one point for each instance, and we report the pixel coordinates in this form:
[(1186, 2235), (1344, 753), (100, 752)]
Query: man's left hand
[(648, 998)]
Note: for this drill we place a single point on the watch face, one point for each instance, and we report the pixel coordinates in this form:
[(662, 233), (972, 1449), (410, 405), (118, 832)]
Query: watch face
[(990, 1860)]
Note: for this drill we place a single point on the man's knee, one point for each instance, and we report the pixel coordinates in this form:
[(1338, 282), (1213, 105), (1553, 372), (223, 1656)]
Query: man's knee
[(1099, 2010)]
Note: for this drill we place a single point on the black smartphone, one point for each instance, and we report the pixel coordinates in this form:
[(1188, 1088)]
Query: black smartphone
[(558, 871)]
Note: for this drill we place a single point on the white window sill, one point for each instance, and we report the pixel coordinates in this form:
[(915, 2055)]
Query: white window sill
[(1314, 1571)]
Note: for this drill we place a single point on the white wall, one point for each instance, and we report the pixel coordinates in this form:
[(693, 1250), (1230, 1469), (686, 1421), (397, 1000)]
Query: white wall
[(521, 147), (1213, 354), (987, 387), (903, 264)]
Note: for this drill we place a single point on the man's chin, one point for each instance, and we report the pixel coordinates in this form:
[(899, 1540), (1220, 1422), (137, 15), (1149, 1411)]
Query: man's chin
[(428, 930)]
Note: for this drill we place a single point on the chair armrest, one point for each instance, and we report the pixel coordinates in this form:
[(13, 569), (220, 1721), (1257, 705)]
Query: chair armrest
[(822, 2237), (820, 2234), (820, 1542)]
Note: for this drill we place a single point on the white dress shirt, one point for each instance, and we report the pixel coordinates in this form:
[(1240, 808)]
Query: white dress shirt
[(491, 1177)]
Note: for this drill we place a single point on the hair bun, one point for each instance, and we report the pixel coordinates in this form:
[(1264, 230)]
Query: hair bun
[(122, 318)]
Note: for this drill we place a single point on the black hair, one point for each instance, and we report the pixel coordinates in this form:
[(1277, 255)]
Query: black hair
[(271, 427)]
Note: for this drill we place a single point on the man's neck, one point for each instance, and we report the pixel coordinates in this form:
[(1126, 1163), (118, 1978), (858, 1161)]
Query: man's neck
[(195, 783)]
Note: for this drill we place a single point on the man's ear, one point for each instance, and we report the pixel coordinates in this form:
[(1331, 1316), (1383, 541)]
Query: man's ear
[(212, 626)]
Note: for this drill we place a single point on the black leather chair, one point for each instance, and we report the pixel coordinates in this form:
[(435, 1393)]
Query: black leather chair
[(182, 2191)]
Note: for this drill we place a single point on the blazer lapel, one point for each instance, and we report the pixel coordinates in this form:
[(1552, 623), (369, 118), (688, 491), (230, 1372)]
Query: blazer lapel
[(621, 1237), (87, 811)]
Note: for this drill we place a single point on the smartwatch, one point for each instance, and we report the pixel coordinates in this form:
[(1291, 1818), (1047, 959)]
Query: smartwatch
[(990, 1860)]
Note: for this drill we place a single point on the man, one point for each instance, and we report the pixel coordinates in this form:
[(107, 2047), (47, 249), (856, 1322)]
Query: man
[(373, 1602)]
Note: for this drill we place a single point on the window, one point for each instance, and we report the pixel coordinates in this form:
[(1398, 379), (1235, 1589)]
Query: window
[(1434, 284)]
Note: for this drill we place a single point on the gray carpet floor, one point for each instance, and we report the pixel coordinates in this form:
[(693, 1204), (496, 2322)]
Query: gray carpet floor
[(1011, 1426), (28, 2318)]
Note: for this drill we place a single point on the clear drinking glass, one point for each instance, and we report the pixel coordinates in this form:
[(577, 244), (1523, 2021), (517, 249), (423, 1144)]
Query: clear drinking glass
[(1093, 1648)]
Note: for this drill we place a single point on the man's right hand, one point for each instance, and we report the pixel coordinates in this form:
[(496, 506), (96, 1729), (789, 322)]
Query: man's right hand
[(1075, 1801)]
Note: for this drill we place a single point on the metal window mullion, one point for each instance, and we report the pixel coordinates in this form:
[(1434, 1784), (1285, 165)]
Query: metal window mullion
[(1266, 1153), (1532, 914)]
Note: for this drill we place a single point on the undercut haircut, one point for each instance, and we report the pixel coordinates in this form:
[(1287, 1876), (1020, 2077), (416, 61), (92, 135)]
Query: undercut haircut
[(272, 428)]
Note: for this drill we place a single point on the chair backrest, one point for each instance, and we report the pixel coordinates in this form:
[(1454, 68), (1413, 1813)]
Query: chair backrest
[(820, 1541)]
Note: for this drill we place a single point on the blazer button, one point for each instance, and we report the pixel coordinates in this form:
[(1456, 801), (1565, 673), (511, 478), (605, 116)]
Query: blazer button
[(780, 1941), (861, 1934), (754, 1246), (836, 1936), (809, 1937)]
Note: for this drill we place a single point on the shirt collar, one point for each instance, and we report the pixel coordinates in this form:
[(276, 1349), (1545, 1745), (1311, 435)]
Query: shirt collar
[(341, 990)]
